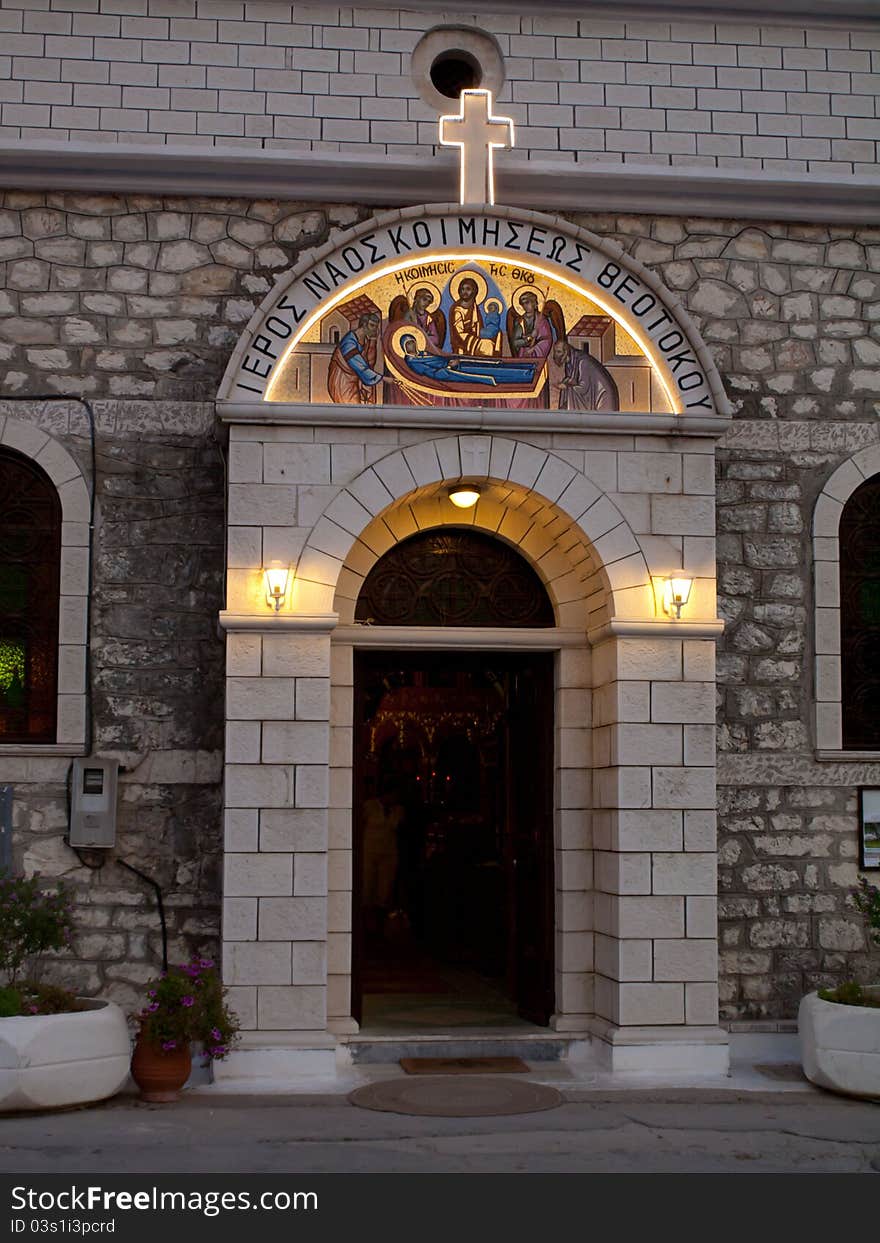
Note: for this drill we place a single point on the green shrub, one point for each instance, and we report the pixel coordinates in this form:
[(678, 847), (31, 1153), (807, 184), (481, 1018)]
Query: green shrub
[(867, 900), (849, 994), (32, 922), (10, 1002), (29, 997)]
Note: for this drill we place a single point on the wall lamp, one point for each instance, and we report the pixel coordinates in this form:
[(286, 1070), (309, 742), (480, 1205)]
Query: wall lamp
[(464, 495), (276, 577), (676, 593)]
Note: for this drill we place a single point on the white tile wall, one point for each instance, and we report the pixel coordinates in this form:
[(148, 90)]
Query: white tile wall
[(212, 73)]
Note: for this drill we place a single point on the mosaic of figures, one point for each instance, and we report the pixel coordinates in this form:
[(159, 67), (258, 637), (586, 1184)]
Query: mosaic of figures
[(468, 333)]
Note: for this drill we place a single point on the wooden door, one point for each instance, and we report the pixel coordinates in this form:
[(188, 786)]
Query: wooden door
[(530, 787), (359, 748), (525, 806)]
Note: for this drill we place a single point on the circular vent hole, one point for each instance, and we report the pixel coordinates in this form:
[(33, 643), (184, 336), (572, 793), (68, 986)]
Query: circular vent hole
[(453, 72)]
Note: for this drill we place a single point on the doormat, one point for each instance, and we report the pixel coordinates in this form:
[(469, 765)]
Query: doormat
[(445, 1096), (464, 1065)]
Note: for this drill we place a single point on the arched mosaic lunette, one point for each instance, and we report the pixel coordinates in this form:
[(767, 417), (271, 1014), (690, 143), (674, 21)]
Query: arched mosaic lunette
[(338, 269), (73, 493), (845, 480)]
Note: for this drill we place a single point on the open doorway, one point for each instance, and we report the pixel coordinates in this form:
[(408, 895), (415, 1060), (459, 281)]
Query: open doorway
[(453, 839)]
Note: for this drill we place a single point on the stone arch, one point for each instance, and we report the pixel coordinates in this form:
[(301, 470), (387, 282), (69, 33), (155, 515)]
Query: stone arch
[(73, 493), (849, 475), (599, 266), (539, 531), (602, 574)]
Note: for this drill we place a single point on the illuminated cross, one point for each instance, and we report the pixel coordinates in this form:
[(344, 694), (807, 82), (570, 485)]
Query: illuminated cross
[(477, 133)]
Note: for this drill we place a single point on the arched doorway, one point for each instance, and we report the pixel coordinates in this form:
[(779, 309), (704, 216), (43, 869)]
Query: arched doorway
[(453, 805), (345, 449)]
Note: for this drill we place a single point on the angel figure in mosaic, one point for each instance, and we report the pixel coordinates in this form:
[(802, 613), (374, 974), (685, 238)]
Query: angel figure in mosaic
[(531, 332), (421, 307)]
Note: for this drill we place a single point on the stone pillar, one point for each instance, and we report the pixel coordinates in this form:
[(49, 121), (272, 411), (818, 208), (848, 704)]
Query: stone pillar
[(655, 917), (340, 843), (573, 868), (276, 845)]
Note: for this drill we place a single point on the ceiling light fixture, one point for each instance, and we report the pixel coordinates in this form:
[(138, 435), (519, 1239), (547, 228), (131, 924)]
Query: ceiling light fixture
[(464, 495)]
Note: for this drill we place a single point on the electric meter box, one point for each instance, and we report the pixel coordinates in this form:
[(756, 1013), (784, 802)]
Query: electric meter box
[(93, 803)]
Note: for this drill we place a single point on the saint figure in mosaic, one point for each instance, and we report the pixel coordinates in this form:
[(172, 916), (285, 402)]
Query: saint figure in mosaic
[(586, 384), (352, 377)]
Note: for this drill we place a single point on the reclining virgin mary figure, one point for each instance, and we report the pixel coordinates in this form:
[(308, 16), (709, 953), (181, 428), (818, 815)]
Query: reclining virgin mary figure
[(457, 369)]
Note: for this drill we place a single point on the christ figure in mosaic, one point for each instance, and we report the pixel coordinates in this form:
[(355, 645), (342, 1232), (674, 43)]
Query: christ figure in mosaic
[(466, 322)]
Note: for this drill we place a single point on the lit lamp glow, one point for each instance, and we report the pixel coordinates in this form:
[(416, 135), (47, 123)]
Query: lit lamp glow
[(276, 577), (676, 593), (464, 495)]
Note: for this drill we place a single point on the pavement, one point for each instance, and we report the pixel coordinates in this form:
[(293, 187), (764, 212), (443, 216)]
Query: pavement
[(764, 1117)]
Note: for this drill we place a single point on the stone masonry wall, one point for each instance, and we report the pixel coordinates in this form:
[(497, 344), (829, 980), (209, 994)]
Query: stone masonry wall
[(616, 87), (137, 302), (157, 670)]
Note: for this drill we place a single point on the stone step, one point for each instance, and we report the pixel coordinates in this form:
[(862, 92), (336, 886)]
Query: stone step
[(383, 1049)]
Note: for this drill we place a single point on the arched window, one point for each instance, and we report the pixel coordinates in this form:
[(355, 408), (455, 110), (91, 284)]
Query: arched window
[(451, 577), (860, 617), (30, 567)]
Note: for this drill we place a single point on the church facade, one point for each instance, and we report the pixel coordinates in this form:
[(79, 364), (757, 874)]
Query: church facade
[(477, 595)]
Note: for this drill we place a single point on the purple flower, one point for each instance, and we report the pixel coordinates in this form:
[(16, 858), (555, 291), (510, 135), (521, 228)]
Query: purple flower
[(187, 1001), (151, 992), (152, 1007), (216, 1050), (216, 1034), (168, 1045), (206, 963)]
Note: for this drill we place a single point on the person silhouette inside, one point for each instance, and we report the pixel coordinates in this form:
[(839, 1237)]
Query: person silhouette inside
[(382, 817)]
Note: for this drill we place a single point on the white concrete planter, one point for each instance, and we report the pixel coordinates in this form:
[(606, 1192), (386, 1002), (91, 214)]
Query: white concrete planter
[(840, 1045), (51, 1060)]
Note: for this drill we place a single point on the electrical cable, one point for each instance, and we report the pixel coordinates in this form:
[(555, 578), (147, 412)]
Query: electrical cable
[(224, 463), (160, 904)]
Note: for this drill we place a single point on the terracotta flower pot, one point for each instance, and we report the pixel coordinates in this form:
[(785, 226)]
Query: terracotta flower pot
[(158, 1073)]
